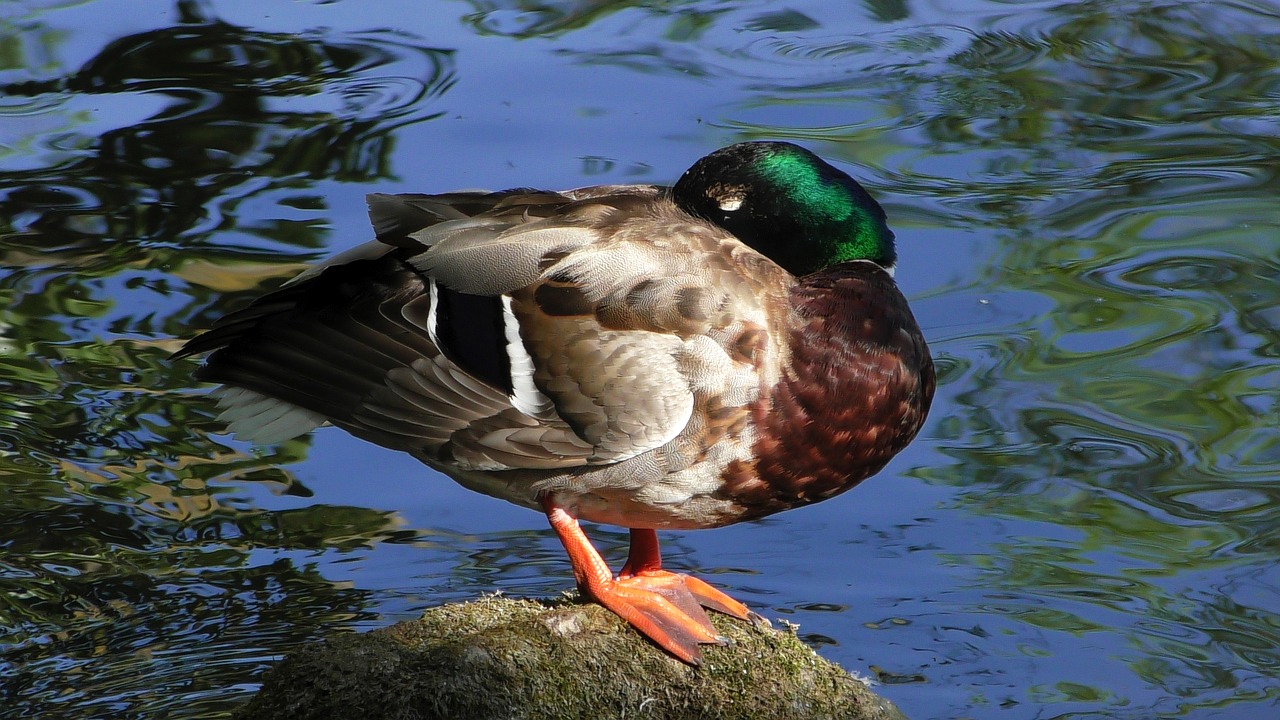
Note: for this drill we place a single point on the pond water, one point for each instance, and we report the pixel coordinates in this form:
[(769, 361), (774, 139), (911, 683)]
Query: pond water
[(1085, 197)]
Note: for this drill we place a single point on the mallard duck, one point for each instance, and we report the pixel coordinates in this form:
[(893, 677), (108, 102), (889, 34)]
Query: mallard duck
[(641, 356)]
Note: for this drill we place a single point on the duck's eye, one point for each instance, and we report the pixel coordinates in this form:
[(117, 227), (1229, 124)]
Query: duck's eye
[(731, 203)]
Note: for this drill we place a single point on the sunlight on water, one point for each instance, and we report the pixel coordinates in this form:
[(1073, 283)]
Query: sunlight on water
[(1084, 196)]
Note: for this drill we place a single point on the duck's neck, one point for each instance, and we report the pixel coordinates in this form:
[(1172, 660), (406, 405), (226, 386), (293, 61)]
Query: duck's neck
[(855, 392)]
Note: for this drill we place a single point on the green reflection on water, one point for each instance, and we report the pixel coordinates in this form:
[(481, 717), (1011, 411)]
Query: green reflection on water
[(1109, 404), (1122, 156), (134, 561)]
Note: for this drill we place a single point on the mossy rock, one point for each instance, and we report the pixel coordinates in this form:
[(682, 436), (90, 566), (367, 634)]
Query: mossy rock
[(532, 660)]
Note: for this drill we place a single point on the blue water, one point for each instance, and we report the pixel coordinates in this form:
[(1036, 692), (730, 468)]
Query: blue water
[(1084, 199)]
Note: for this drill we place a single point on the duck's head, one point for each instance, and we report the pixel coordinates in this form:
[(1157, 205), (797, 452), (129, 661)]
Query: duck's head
[(788, 204)]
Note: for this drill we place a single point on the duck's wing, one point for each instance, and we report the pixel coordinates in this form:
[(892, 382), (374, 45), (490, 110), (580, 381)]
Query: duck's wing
[(503, 331)]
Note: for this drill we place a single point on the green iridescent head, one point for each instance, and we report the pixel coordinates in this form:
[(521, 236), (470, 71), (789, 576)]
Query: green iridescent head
[(788, 204)]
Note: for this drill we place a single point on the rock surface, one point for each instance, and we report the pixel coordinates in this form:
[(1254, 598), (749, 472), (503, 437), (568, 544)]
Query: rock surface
[(521, 659)]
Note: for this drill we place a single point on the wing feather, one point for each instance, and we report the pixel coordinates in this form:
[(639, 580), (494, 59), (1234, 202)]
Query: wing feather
[(627, 315)]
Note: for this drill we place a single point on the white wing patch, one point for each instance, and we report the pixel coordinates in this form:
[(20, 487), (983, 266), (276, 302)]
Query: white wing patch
[(525, 395), (434, 303)]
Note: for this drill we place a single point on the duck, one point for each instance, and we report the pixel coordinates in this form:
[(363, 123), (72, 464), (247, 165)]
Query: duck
[(644, 356)]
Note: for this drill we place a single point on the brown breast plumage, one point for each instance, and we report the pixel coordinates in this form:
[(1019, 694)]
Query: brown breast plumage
[(856, 391)]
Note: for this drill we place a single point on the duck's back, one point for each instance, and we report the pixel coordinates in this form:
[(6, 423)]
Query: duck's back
[(598, 341)]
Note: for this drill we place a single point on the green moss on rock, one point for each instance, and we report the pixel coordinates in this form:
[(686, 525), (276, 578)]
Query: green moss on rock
[(504, 658)]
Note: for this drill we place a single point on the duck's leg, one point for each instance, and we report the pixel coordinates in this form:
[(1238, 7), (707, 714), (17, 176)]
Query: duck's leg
[(647, 606), (644, 565)]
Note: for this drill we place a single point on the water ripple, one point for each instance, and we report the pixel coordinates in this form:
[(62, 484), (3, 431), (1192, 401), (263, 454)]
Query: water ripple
[(1085, 198)]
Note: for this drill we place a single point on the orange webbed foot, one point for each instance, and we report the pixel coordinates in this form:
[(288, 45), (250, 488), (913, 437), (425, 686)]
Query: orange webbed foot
[(702, 594), (665, 607), (645, 561), (663, 610)]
